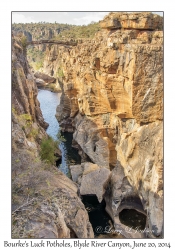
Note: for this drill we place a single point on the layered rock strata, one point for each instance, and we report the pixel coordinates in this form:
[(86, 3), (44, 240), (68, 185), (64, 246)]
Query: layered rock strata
[(45, 203), (113, 101), (38, 31), (24, 90)]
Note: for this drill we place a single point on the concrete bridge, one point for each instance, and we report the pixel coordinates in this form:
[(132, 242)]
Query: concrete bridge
[(65, 43)]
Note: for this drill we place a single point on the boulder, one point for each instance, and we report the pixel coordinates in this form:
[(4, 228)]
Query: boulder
[(44, 77), (40, 82), (92, 179), (95, 182), (76, 172)]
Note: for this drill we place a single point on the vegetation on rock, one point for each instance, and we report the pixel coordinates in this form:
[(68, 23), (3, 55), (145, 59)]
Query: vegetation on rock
[(44, 30), (35, 57), (48, 147), (24, 41), (76, 32)]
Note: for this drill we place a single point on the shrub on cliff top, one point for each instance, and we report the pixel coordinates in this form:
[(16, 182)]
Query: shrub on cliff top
[(24, 41)]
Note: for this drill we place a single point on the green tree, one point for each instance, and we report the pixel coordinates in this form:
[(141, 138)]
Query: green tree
[(24, 41), (48, 148)]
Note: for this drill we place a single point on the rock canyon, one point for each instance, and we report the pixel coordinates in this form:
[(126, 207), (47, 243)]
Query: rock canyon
[(112, 102)]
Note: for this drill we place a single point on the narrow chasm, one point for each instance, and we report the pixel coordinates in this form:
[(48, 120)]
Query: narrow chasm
[(99, 218), (48, 103)]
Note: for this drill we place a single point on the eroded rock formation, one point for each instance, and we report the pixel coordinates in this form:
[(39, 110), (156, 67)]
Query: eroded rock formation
[(24, 90), (45, 203), (113, 101)]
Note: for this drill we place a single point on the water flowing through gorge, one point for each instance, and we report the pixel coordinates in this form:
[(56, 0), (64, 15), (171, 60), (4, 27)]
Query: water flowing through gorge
[(48, 103)]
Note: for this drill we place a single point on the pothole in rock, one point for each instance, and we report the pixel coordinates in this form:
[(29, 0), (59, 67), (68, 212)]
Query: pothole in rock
[(98, 217), (133, 219), (58, 162)]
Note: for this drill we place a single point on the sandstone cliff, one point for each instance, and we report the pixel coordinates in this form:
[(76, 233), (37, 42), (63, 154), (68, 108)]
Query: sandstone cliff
[(45, 203), (37, 31), (112, 98)]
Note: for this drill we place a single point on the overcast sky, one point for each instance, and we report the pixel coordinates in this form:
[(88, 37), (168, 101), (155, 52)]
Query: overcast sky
[(77, 18)]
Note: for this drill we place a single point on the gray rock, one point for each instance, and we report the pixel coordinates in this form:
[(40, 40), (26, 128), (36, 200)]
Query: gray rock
[(94, 180), (45, 77), (40, 82), (76, 171)]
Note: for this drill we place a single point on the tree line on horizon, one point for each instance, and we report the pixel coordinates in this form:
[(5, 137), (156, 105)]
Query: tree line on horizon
[(43, 30)]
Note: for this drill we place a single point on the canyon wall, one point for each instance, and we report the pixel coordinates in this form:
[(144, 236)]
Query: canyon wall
[(112, 99), (37, 31), (45, 203)]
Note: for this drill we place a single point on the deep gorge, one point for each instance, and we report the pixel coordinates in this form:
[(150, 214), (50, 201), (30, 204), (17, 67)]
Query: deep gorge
[(97, 214), (48, 103), (111, 102)]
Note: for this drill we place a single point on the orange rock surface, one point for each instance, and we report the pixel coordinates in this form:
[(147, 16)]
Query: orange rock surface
[(113, 99)]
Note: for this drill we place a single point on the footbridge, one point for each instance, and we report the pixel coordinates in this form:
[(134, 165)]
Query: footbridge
[(59, 42)]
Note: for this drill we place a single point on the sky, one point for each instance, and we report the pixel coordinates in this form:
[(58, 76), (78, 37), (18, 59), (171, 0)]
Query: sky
[(77, 18)]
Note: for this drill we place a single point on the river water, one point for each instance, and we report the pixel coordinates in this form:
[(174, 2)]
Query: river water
[(48, 103)]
